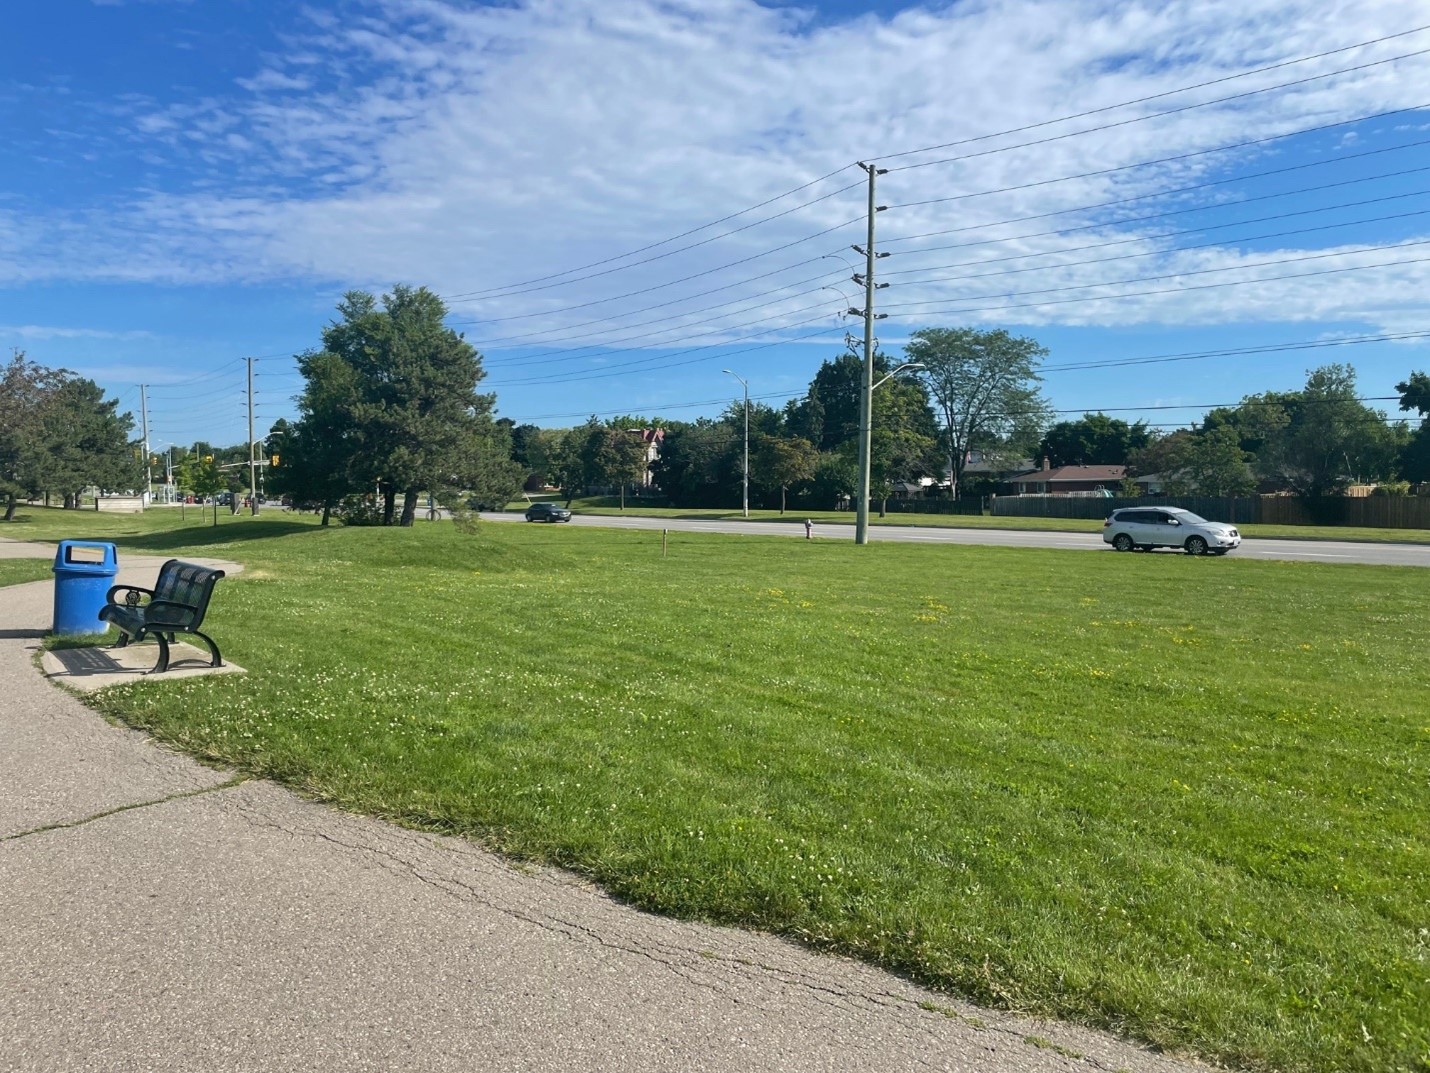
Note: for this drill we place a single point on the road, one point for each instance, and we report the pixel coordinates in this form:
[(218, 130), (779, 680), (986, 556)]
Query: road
[(1317, 551)]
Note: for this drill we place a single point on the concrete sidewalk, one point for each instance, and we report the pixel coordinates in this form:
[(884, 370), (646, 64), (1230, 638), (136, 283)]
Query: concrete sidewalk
[(159, 915)]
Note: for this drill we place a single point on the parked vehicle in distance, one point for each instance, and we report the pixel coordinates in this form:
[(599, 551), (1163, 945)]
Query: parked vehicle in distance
[(1145, 528), (547, 512)]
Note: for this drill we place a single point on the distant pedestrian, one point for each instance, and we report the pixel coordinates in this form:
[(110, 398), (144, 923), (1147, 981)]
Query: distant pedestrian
[(808, 528)]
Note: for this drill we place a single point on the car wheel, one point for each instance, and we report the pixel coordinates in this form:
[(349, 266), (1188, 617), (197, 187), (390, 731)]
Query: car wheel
[(1196, 546), (1122, 542)]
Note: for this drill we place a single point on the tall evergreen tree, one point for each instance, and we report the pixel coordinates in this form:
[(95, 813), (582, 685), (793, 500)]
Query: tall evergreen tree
[(392, 404)]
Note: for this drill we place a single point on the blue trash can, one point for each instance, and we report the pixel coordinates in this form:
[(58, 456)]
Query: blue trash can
[(84, 572)]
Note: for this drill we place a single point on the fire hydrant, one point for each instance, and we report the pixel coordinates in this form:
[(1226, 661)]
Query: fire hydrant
[(808, 528)]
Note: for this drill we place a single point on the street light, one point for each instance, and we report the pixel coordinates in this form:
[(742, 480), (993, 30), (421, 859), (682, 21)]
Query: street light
[(899, 369), (746, 386)]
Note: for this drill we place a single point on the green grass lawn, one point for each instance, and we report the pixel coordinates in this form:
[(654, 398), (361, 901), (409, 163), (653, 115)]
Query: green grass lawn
[(604, 505), (17, 571), (1182, 798)]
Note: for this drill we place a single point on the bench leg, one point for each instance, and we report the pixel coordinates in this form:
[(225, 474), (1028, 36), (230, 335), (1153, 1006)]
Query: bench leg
[(123, 640), (217, 660), (163, 664)]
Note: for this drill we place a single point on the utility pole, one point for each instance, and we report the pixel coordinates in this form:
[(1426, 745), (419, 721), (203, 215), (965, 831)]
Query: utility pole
[(746, 482), (866, 387), (252, 472), (144, 425)]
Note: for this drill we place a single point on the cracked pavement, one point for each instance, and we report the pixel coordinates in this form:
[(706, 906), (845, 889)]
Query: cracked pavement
[(156, 914)]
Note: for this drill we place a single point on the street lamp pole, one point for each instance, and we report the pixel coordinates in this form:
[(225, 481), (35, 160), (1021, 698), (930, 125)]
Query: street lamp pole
[(746, 482)]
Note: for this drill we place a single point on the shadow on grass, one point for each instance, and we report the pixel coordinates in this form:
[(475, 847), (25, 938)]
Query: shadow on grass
[(197, 536)]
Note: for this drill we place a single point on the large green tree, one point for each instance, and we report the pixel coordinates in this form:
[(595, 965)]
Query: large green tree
[(1210, 463), (1094, 440), (984, 384), (1324, 437), (59, 435), (25, 390), (394, 396), (1415, 455), (699, 464), (782, 461)]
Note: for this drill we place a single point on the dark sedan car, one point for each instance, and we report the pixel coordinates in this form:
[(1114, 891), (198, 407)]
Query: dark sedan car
[(547, 512)]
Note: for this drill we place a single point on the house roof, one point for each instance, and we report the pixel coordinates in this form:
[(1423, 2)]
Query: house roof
[(1072, 473)]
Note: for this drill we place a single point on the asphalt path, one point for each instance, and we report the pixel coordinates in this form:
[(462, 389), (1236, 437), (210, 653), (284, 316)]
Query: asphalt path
[(1318, 551)]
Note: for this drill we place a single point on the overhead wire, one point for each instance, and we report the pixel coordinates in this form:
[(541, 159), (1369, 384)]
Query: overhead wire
[(1154, 96), (1172, 290), (1163, 252), (1162, 114)]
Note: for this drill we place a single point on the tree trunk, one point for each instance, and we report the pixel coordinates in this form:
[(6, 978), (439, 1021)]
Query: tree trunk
[(10, 508), (409, 507), (884, 507), (389, 504), (782, 499), (327, 511)]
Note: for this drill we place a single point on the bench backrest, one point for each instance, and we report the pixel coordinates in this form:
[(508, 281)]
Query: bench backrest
[(185, 583)]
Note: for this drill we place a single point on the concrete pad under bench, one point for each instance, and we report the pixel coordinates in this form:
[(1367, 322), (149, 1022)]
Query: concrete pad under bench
[(88, 669)]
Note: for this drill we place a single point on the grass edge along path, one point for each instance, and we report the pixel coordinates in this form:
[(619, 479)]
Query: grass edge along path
[(1183, 799), (20, 571)]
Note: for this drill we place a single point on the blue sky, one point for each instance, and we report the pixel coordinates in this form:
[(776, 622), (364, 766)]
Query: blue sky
[(192, 183)]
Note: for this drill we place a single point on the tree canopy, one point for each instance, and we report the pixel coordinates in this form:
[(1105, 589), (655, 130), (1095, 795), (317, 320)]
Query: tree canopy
[(1094, 440), (60, 435), (985, 386), (391, 403)]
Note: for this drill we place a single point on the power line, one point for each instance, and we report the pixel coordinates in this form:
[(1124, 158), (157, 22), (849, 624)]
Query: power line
[(1154, 96), (1162, 114), (681, 317), (708, 271), (1271, 348), (1187, 189), (673, 238), (693, 361), (1151, 253), (479, 296), (1178, 157), (1176, 290), (507, 289)]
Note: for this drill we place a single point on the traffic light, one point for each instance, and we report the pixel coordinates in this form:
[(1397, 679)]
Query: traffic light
[(208, 459), (153, 460), (273, 460)]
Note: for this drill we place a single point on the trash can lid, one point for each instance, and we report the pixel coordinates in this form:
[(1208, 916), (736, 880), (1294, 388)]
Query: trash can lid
[(86, 553)]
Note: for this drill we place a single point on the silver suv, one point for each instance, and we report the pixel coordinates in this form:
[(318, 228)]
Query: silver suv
[(1145, 528)]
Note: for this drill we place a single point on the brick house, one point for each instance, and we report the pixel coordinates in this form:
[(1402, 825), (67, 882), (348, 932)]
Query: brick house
[(1066, 480)]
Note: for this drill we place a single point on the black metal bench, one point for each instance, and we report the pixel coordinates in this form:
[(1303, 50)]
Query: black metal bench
[(176, 604)]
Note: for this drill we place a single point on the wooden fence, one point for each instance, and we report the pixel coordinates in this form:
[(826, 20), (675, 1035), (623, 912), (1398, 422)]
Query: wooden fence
[(931, 506)]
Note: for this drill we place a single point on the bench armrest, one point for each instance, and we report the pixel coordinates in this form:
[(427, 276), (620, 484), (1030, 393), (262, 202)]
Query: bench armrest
[(109, 596)]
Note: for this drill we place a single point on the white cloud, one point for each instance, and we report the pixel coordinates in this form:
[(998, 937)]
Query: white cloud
[(470, 147), (47, 331)]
